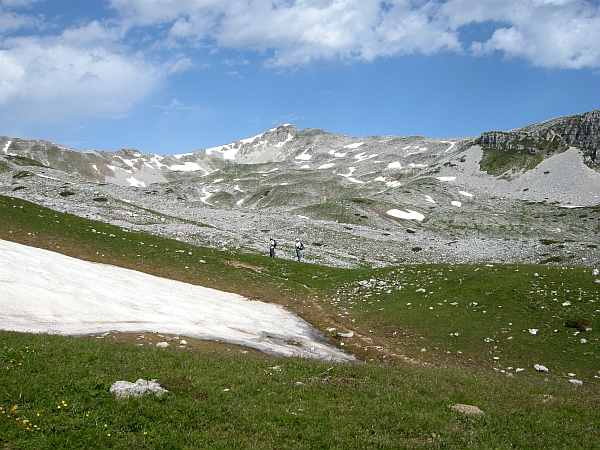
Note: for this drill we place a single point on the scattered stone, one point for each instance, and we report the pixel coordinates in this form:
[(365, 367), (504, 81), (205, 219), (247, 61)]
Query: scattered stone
[(183, 342), (125, 389), (576, 382), (533, 330), (467, 409), (540, 368), (162, 344), (346, 335)]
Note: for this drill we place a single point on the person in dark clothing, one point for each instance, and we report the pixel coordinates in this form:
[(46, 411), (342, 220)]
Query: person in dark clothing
[(299, 248), (272, 245)]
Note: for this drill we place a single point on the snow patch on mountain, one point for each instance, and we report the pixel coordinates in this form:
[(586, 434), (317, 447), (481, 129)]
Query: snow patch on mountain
[(304, 156), (187, 167), (354, 146), (134, 182), (326, 166), (337, 154), (407, 215)]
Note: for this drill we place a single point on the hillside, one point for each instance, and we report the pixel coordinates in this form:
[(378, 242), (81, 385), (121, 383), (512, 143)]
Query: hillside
[(528, 195)]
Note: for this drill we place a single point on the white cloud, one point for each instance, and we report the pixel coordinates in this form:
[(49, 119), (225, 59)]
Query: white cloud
[(105, 68), (549, 33), (10, 21), (80, 72)]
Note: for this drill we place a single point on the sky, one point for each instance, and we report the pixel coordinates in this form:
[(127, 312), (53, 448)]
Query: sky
[(173, 76)]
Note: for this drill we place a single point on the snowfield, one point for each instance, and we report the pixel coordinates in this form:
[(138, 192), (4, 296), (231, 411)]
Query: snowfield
[(47, 292)]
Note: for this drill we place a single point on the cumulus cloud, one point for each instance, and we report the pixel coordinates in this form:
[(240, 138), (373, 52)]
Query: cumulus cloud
[(106, 67), (79, 72), (548, 33)]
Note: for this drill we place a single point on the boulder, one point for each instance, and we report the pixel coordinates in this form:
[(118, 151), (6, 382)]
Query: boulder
[(467, 409), (125, 389)]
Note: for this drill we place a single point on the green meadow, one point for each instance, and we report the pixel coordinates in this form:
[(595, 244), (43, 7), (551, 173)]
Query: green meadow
[(426, 337)]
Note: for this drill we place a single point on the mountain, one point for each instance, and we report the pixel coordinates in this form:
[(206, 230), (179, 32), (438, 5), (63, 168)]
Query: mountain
[(526, 195)]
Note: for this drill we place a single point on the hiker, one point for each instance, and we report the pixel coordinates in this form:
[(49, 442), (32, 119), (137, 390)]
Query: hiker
[(593, 155), (299, 248), (272, 245)]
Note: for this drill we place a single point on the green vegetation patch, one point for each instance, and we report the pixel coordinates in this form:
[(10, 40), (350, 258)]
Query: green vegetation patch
[(433, 336), (23, 161), (55, 394), (519, 154)]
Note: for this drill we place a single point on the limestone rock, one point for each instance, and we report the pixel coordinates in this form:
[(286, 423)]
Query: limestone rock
[(467, 409), (126, 389)]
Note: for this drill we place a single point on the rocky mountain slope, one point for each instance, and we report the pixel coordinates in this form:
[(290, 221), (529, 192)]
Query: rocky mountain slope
[(527, 195)]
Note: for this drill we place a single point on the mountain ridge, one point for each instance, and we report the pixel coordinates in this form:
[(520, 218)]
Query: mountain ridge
[(377, 200)]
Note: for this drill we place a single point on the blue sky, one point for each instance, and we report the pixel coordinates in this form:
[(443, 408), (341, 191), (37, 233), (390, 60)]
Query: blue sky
[(172, 76)]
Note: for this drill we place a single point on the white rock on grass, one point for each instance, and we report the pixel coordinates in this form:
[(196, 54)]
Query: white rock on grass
[(469, 410), (346, 335), (576, 382), (540, 368), (125, 389), (162, 344)]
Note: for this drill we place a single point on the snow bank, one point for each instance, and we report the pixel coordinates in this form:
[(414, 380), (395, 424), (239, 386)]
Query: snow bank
[(46, 292)]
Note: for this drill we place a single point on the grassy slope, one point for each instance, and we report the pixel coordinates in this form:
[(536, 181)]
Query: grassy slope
[(349, 406)]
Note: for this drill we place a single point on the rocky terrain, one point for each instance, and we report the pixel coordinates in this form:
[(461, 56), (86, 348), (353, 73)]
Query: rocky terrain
[(528, 195)]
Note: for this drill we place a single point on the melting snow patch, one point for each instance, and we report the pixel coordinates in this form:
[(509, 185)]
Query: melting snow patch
[(186, 167), (288, 139), (133, 181), (353, 146), (336, 154), (452, 144), (362, 157), (446, 178), (417, 166), (306, 166), (456, 203), (407, 215), (429, 199), (465, 194), (303, 217), (393, 183), (380, 179), (304, 156), (46, 176), (326, 166), (394, 165)]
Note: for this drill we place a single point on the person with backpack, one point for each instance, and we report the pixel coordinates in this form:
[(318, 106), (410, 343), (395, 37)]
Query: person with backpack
[(299, 248), (272, 245)]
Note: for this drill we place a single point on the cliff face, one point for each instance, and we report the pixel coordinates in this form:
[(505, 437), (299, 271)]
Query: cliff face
[(582, 131)]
